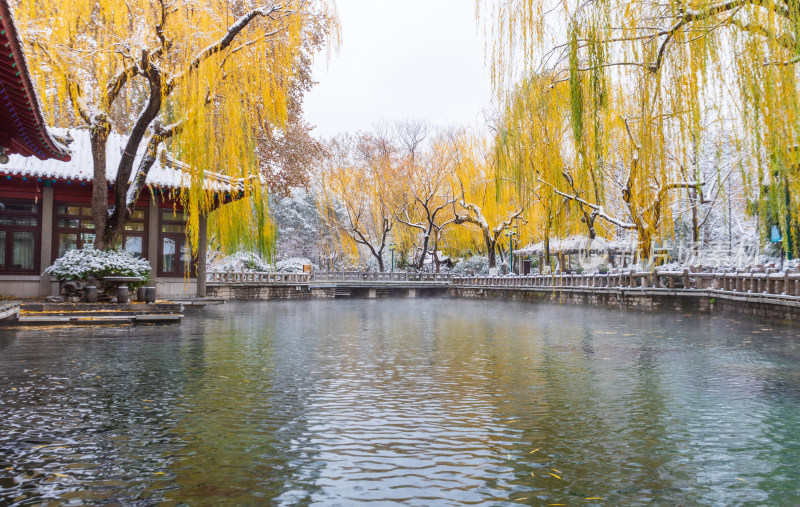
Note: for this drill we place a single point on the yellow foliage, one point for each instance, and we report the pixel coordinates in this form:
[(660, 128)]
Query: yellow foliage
[(220, 71), (664, 76)]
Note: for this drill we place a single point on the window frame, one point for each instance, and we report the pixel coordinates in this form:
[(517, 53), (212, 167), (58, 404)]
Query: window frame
[(11, 229), (175, 217), (58, 230)]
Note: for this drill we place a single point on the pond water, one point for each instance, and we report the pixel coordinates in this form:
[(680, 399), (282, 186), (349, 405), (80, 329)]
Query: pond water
[(413, 402)]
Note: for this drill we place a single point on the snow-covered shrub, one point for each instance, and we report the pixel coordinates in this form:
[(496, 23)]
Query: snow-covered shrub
[(240, 261), (291, 265), (477, 264), (252, 262), (88, 263)]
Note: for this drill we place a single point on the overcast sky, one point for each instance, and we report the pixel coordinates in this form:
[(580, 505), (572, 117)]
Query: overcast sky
[(399, 59)]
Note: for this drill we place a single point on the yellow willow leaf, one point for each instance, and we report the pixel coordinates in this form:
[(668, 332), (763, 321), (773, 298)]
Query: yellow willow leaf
[(224, 74), (554, 475)]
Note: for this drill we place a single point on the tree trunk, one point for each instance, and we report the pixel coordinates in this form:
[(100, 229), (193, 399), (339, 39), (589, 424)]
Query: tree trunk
[(379, 256), (492, 254), (425, 242), (490, 249), (695, 217), (99, 138)]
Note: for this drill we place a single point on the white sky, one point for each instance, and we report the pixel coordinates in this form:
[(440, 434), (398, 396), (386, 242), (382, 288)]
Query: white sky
[(401, 59)]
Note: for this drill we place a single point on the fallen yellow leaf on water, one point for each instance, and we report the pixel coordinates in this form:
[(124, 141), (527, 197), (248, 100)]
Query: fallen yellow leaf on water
[(61, 475), (557, 471), (13, 388), (595, 498), (160, 473), (523, 498), (532, 475), (147, 400), (509, 456), (740, 479), (554, 475), (533, 451)]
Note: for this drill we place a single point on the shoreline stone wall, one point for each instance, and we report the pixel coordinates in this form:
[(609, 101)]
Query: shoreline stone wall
[(243, 292), (697, 303)]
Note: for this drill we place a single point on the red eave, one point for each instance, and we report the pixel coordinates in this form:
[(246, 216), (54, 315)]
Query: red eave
[(22, 126)]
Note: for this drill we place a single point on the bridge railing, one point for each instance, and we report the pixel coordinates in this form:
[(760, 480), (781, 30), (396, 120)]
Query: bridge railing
[(250, 277), (746, 282), (374, 276)]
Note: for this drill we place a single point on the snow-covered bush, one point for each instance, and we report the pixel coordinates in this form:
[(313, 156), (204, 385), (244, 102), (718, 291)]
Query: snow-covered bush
[(240, 261), (88, 263), (252, 262), (477, 264), (291, 265)]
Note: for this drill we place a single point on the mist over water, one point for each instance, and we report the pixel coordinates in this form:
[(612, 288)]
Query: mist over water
[(414, 402)]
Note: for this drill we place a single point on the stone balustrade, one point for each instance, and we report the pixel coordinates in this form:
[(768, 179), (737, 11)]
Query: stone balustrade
[(767, 281), (374, 276), (747, 282), (250, 277)]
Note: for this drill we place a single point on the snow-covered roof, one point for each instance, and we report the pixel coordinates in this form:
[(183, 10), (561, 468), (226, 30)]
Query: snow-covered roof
[(165, 172), (22, 127), (575, 244)]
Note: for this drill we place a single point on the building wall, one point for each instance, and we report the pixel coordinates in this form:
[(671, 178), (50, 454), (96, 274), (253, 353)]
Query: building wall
[(48, 194), (19, 286)]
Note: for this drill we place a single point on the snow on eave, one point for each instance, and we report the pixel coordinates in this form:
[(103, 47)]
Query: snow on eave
[(163, 173), (14, 52)]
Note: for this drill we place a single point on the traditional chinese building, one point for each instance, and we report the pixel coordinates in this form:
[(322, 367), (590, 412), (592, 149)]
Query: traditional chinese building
[(45, 194), (45, 210)]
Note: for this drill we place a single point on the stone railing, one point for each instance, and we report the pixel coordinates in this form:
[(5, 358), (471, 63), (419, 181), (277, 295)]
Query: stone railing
[(782, 283), (249, 277), (746, 282), (373, 276)]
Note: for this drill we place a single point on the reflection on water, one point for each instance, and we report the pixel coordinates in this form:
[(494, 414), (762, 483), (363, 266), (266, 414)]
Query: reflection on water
[(419, 402)]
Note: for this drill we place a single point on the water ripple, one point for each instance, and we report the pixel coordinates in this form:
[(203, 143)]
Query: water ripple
[(428, 402)]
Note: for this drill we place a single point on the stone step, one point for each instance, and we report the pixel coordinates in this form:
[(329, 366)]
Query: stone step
[(48, 319), (159, 307)]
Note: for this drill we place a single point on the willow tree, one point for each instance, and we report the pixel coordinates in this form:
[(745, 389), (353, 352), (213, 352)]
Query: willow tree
[(485, 204), (426, 198), (681, 63), (359, 180), (201, 77)]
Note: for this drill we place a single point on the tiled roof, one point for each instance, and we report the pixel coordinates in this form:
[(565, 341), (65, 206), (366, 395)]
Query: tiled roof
[(165, 173), (22, 127)]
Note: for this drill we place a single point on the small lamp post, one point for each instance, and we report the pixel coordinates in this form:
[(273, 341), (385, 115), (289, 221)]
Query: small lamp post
[(511, 233), (392, 248)]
